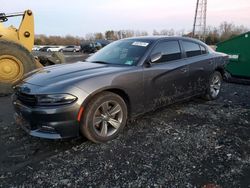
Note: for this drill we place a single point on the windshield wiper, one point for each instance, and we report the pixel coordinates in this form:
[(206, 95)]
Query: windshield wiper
[(101, 62)]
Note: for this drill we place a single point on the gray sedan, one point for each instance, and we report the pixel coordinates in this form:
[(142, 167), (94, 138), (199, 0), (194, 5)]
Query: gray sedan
[(70, 49), (127, 78)]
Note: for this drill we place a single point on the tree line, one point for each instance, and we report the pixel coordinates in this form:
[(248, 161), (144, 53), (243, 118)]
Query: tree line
[(224, 32), (57, 40), (213, 35)]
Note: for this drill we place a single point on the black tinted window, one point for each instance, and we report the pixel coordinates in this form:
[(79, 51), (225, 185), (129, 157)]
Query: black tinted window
[(170, 51), (203, 50), (191, 48)]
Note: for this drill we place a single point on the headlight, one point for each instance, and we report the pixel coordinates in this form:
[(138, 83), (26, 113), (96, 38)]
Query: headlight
[(55, 99)]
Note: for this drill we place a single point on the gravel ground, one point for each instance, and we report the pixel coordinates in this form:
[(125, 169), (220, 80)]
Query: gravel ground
[(191, 144)]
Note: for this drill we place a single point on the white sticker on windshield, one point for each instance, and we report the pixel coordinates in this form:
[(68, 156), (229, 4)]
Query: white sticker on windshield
[(129, 62), (143, 44)]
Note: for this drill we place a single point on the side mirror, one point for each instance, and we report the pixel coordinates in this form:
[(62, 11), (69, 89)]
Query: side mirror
[(155, 57)]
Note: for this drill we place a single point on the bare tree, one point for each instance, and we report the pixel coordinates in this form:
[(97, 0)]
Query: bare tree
[(214, 35), (57, 40), (90, 36), (155, 32), (111, 35), (167, 32), (228, 30), (99, 36)]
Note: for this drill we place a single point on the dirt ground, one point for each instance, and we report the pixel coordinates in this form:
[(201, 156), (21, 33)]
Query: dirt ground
[(191, 144)]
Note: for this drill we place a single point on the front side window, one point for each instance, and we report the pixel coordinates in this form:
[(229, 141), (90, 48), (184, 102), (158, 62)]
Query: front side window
[(192, 49), (170, 51)]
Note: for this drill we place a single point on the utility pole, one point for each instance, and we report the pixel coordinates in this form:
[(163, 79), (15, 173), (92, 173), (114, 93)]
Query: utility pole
[(199, 26)]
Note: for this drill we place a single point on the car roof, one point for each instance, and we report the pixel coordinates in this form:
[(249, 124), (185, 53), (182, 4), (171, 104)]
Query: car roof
[(159, 37)]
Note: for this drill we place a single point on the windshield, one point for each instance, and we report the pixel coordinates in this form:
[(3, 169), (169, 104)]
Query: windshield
[(122, 52)]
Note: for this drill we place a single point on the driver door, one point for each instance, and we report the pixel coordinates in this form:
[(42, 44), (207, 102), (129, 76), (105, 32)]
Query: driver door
[(166, 80)]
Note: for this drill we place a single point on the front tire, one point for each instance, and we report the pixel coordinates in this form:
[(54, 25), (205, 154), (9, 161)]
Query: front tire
[(15, 61), (104, 117), (214, 86)]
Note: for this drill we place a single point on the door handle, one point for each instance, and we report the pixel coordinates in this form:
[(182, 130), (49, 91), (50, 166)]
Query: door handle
[(183, 70), (210, 62)]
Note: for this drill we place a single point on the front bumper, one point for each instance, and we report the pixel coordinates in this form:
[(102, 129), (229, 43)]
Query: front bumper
[(47, 122)]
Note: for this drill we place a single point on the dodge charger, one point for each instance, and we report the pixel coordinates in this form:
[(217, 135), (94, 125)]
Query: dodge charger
[(129, 77)]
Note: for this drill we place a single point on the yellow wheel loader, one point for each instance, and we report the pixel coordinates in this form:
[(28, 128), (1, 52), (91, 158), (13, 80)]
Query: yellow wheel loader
[(15, 50)]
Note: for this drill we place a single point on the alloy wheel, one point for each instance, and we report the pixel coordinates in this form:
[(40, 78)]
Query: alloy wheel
[(107, 118), (215, 85)]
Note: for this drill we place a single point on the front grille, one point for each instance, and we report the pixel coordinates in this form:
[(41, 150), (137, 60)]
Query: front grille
[(26, 99)]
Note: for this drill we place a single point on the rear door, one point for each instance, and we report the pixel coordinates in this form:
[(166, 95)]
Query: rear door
[(166, 80), (200, 66), (69, 49)]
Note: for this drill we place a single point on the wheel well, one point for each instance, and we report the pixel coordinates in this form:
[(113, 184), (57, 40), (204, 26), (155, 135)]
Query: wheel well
[(220, 70), (123, 95), (119, 92)]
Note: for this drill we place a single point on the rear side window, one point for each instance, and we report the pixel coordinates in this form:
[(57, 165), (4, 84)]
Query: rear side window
[(203, 49), (170, 51), (192, 49)]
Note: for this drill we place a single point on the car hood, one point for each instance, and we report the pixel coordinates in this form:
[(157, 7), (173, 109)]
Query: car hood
[(74, 72)]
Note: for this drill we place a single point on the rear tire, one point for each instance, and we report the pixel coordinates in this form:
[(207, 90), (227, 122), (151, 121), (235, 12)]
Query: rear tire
[(15, 61), (214, 86), (104, 117)]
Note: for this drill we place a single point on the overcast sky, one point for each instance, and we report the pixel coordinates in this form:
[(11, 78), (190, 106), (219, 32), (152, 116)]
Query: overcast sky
[(79, 17)]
